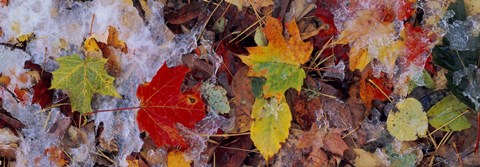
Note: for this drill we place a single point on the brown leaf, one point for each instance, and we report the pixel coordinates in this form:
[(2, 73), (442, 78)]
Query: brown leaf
[(242, 90), (2, 4), (56, 156), (185, 13), (229, 157)]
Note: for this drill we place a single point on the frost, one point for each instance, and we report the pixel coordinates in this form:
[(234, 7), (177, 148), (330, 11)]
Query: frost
[(336, 71), (60, 28), (472, 91), (460, 36)]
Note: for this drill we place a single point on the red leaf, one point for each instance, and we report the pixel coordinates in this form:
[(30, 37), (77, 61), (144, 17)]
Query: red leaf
[(369, 92), (163, 105), (41, 94)]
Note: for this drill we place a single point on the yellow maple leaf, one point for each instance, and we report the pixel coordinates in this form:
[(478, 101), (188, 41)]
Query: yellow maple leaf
[(270, 126), (279, 62)]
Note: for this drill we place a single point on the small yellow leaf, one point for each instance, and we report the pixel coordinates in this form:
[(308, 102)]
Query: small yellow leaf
[(359, 59), (177, 159), (270, 126), (409, 121)]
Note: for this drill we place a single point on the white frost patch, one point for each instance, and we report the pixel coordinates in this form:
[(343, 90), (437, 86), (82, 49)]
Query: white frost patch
[(60, 28)]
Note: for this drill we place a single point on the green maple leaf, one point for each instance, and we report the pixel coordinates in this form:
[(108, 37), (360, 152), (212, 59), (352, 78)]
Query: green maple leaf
[(80, 79)]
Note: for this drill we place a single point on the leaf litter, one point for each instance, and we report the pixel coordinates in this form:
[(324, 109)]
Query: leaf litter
[(273, 83)]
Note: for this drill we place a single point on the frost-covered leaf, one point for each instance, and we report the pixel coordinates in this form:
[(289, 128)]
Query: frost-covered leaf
[(270, 126), (445, 110), (216, 97), (177, 159), (81, 79), (163, 105), (279, 62), (461, 74), (409, 121)]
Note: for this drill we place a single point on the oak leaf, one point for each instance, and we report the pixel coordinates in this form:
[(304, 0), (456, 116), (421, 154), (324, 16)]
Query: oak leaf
[(270, 126), (80, 79), (163, 105), (279, 62)]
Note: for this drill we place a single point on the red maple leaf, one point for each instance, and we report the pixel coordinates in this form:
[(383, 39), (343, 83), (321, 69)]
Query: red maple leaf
[(163, 105), (41, 94)]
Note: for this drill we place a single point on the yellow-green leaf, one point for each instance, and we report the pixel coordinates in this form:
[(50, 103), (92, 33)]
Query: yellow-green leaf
[(270, 126), (279, 62), (80, 79), (446, 110), (409, 121)]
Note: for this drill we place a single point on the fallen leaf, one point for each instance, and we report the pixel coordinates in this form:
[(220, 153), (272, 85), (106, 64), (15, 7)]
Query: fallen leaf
[(3, 3), (369, 92), (271, 125), (444, 111), (185, 13), (257, 4), (41, 94), (177, 159), (233, 157), (365, 159), (163, 105), (409, 122), (244, 99), (80, 79), (56, 156), (279, 62)]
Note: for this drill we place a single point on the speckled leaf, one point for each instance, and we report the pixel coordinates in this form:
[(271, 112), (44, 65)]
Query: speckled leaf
[(80, 79), (409, 121)]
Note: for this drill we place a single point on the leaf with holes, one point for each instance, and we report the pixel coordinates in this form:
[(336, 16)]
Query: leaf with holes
[(80, 79), (279, 62), (163, 105)]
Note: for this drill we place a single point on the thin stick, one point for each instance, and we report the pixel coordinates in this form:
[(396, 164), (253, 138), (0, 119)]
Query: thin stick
[(53, 106), (239, 149), (110, 110), (376, 86), (91, 25), (349, 133), (458, 116), (459, 159), (208, 19), (319, 93), (226, 135), (248, 28)]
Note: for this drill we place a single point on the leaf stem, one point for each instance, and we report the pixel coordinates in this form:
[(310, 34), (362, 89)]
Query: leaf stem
[(110, 110)]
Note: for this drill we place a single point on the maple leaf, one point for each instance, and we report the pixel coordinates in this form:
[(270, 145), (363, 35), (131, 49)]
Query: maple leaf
[(41, 94), (270, 125), (80, 79), (163, 105), (279, 62)]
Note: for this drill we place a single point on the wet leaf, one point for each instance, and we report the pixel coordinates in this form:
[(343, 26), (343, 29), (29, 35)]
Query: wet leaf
[(445, 110), (81, 79), (163, 105), (368, 90), (271, 125), (279, 62), (409, 122)]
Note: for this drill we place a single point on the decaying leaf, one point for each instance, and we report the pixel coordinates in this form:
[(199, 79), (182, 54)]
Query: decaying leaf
[(444, 111), (409, 122), (80, 79), (271, 125), (163, 105), (279, 62), (216, 97), (244, 99)]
